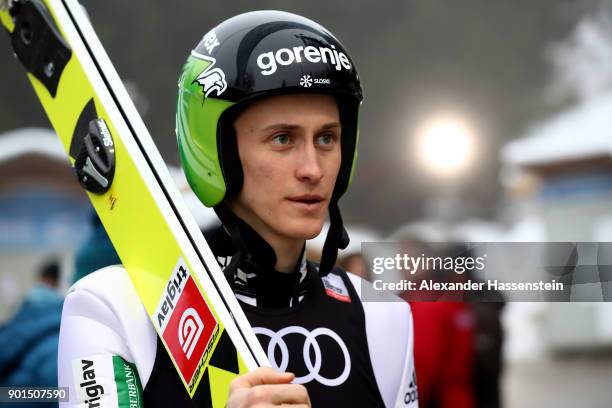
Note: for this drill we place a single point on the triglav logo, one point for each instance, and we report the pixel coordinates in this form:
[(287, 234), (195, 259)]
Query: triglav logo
[(186, 324), (268, 62), (90, 386), (189, 330), (174, 288), (310, 349)]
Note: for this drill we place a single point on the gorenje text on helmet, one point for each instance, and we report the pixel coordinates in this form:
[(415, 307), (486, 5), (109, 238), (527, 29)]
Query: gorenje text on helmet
[(269, 61)]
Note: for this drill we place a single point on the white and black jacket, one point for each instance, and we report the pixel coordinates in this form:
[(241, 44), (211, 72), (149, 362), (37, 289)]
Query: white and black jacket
[(358, 353)]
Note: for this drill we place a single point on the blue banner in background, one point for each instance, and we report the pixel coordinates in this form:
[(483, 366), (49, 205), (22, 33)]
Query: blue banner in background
[(45, 219)]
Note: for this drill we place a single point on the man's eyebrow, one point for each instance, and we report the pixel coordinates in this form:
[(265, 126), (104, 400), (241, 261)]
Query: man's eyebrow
[(285, 126), (290, 126), (331, 125)]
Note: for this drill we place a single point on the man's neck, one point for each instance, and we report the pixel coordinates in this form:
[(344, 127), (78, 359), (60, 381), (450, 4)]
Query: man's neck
[(286, 249), (287, 252)]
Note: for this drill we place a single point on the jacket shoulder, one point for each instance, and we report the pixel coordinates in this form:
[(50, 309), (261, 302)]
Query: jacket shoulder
[(103, 316), (390, 341)]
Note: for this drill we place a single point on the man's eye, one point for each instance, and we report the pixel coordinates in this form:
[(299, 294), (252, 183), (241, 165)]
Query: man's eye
[(326, 139), (281, 139)]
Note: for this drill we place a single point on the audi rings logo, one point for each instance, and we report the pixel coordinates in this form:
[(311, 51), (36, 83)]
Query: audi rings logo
[(189, 330), (310, 344)]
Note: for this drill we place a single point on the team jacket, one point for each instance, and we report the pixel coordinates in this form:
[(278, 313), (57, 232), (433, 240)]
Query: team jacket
[(345, 351)]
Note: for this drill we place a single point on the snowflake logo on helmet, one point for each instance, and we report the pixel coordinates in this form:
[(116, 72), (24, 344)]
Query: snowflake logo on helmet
[(211, 79), (306, 81)]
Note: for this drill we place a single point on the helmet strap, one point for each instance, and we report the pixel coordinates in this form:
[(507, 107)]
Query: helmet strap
[(337, 237), (245, 240)]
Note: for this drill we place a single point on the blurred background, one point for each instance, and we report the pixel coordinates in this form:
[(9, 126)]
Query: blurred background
[(490, 118)]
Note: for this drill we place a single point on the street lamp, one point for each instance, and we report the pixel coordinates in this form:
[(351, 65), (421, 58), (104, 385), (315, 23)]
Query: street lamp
[(445, 145)]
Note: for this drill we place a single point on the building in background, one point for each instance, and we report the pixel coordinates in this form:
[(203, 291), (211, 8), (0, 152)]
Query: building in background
[(561, 178), (43, 211)]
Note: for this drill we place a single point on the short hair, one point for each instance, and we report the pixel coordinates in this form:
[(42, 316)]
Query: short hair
[(50, 270)]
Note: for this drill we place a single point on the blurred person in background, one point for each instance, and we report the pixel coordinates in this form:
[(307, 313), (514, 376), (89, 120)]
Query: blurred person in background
[(28, 342), (458, 344), (488, 363), (486, 309), (443, 330), (444, 351), (488, 336)]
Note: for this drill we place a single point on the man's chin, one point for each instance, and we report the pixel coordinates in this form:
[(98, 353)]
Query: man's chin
[(306, 229)]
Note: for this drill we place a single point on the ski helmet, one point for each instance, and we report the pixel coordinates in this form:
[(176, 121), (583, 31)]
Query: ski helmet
[(247, 57), (243, 59)]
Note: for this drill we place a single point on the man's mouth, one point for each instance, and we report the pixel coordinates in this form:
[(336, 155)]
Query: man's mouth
[(308, 199)]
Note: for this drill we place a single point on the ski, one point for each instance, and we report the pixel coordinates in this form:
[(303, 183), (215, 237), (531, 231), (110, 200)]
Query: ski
[(128, 183)]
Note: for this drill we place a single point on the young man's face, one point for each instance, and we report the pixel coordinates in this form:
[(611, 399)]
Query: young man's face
[(289, 147)]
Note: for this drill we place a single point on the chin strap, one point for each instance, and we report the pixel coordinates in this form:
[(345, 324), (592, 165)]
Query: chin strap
[(337, 238), (245, 239)]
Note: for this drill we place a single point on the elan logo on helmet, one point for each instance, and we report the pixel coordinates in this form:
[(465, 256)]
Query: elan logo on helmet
[(269, 61), (210, 41)]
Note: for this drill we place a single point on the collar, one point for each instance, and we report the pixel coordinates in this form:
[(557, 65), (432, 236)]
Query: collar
[(251, 274)]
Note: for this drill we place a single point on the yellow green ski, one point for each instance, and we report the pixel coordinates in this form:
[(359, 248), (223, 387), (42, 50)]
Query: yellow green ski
[(115, 159)]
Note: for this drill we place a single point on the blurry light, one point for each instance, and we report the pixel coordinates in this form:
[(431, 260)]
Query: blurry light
[(445, 145)]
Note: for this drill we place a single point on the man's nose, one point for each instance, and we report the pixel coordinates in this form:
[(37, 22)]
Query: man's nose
[(308, 166)]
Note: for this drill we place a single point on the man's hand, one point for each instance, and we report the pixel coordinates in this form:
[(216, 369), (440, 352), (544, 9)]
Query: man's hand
[(265, 387)]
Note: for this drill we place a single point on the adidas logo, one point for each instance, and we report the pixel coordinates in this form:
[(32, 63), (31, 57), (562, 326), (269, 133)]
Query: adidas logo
[(412, 395)]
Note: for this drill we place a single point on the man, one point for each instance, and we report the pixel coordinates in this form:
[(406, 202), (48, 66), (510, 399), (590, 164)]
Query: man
[(28, 342), (267, 130)]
